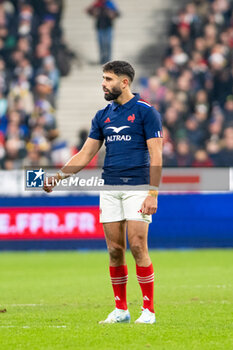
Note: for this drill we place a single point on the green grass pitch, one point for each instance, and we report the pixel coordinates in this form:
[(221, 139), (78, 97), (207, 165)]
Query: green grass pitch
[(55, 300)]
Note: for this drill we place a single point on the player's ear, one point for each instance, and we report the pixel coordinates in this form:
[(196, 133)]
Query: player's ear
[(125, 82)]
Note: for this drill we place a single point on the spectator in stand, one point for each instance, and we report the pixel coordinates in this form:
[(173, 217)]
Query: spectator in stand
[(200, 46), (179, 56), (105, 12), (199, 68), (228, 110), (42, 50), (215, 130), (202, 159), (35, 157), (201, 99), (194, 133), (201, 114), (184, 157), (226, 154), (24, 69), (169, 158), (20, 88), (7, 29), (44, 113), (173, 42), (3, 106), (155, 92), (222, 86), (40, 141), (50, 70), (210, 36), (14, 126), (171, 120), (213, 148), (5, 77), (27, 21), (14, 153), (54, 8), (24, 45)]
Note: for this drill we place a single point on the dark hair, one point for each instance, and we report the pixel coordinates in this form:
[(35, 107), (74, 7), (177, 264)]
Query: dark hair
[(120, 68)]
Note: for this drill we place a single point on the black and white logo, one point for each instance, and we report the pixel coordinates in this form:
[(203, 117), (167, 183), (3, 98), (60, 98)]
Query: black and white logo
[(35, 178), (118, 137), (117, 130)]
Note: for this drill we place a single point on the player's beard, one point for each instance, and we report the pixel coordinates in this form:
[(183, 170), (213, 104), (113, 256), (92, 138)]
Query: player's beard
[(113, 95)]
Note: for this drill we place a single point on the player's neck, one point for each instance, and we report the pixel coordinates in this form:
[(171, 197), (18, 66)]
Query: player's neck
[(124, 97)]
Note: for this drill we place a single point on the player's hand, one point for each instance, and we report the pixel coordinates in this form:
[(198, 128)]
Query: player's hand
[(150, 205), (50, 184)]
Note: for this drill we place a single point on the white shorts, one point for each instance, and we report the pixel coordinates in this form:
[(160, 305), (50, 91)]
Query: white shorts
[(122, 205)]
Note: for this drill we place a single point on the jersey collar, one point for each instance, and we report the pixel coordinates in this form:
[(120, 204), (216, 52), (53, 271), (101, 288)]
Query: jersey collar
[(128, 104)]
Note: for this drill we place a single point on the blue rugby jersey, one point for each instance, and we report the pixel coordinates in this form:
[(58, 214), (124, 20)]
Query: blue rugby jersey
[(125, 129)]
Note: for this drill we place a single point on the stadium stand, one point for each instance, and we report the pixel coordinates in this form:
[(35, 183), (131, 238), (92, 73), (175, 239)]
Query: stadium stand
[(193, 88), (33, 57)]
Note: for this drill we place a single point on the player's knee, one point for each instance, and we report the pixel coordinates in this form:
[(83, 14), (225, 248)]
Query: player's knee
[(137, 251), (116, 254)]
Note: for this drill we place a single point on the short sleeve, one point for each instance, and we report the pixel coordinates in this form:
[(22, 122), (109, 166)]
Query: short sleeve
[(152, 124), (96, 132)]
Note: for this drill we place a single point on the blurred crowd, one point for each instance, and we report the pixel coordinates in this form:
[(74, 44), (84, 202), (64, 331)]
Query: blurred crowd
[(33, 57), (193, 88)]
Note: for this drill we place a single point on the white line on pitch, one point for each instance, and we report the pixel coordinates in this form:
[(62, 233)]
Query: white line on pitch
[(28, 327), (23, 304)]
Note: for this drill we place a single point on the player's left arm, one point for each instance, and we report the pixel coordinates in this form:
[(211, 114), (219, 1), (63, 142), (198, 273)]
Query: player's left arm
[(150, 204)]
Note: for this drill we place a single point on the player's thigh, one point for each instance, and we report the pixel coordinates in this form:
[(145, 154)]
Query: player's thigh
[(111, 209), (132, 203), (137, 234), (115, 234)]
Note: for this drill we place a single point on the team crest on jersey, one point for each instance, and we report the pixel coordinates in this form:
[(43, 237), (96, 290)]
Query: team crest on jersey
[(107, 120), (131, 118)]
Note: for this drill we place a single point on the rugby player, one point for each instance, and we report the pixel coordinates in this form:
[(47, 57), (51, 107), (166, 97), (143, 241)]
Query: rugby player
[(132, 131)]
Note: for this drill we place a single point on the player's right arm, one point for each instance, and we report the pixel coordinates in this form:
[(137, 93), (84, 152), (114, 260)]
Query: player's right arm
[(153, 134), (76, 163)]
